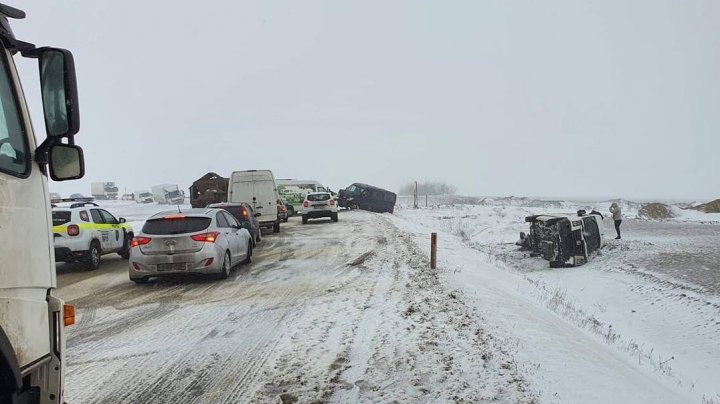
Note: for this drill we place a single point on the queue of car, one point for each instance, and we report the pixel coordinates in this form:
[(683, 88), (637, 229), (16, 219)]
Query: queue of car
[(210, 240)]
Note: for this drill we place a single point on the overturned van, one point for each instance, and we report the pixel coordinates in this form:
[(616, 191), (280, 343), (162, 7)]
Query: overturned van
[(367, 197), (565, 241)]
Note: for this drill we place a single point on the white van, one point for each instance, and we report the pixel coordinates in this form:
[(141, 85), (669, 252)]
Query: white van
[(257, 188)]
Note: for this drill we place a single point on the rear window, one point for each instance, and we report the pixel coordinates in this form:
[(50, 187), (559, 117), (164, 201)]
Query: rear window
[(162, 226), (236, 211), (61, 217), (318, 197)]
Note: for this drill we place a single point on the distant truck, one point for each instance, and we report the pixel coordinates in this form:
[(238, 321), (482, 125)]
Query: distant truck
[(168, 194), (104, 190), (293, 192), (208, 189), (367, 197), (144, 196), (257, 188)]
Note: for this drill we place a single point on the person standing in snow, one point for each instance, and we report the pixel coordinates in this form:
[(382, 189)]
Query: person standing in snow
[(617, 217)]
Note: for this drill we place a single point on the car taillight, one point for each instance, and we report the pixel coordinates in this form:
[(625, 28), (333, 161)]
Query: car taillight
[(331, 202), (245, 213), (306, 204), (73, 230), (138, 241), (206, 237)]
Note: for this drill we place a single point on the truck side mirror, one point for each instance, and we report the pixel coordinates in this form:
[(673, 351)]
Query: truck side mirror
[(66, 162), (59, 92)]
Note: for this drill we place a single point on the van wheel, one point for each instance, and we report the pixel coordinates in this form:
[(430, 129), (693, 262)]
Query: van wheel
[(92, 261), (304, 219), (334, 217), (225, 270), (248, 256), (276, 228)]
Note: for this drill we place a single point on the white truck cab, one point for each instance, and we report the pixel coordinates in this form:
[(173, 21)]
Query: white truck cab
[(32, 318)]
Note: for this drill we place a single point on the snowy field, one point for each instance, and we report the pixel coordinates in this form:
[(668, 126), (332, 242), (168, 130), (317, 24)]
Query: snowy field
[(652, 298), (350, 312)]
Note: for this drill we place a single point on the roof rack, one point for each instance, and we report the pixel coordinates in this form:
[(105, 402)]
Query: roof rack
[(83, 199), (81, 204)]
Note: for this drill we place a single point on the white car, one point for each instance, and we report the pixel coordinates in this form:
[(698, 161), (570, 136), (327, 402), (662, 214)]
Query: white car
[(83, 232), (199, 241), (319, 204)]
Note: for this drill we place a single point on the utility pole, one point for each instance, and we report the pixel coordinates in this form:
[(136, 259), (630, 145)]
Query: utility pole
[(415, 197)]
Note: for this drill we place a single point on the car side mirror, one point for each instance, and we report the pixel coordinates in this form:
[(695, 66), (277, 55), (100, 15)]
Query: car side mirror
[(66, 162), (59, 92), (122, 220)]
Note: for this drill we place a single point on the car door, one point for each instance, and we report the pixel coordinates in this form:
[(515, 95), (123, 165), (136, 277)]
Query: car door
[(116, 235), (227, 234), (236, 234), (101, 229)]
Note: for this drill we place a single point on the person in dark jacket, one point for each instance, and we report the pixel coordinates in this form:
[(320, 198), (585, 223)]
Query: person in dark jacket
[(617, 217)]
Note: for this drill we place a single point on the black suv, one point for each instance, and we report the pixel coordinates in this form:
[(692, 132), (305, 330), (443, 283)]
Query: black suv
[(367, 197)]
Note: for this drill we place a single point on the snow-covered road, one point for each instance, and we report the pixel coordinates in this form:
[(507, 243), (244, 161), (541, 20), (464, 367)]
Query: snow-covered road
[(350, 312), (329, 311)]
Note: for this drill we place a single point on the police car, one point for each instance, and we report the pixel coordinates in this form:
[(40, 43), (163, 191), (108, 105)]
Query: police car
[(83, 231)]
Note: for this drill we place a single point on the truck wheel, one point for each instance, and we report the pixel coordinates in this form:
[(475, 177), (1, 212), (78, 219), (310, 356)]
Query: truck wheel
[(276, 228), (92, 261), (334, 217), (304, 219)]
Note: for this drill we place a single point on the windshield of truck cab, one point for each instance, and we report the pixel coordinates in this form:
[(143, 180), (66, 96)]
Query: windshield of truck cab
[(13, 142)]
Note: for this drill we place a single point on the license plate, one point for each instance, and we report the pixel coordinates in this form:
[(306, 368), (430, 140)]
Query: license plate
[(319, 205), (175, 266)]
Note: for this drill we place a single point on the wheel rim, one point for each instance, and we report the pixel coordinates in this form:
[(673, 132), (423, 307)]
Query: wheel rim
[(95, 256)]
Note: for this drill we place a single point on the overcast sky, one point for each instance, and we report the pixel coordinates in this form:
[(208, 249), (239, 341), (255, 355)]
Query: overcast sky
[(566, 98)]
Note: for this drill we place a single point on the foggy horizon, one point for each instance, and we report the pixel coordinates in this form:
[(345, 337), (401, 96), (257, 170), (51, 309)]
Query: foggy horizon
[(562, 100)]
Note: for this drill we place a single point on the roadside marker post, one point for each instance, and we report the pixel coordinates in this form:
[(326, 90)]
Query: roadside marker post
[(433, 250)]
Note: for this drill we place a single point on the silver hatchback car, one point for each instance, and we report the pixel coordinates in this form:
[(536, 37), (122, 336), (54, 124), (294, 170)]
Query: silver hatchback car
[(198, 241)]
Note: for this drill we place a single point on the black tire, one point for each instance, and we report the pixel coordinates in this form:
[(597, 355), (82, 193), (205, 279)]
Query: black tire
[(276, 228), (225, 270), (285, 219), (304, 219), (248, 257), (92, 260), (125, 252), (334, 217)]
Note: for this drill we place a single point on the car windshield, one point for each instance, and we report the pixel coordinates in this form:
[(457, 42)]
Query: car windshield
[(61, 217), (145, 195), (318, 197), (176, 225), (236, 211)]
